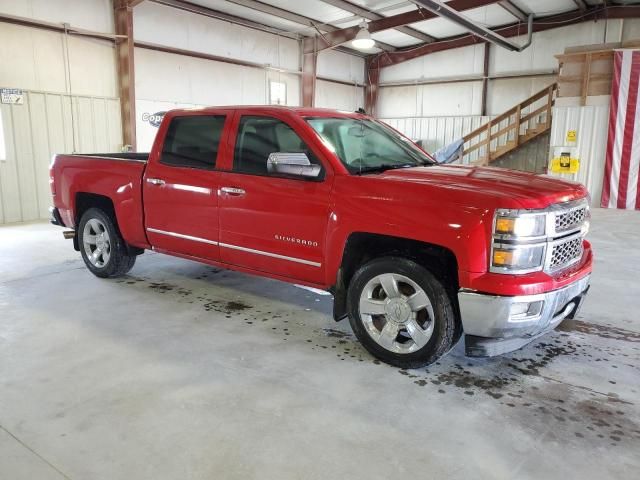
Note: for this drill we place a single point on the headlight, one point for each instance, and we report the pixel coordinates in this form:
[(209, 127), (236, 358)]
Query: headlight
[(511, 224), (525, 241), (508, 258), (519, 241)]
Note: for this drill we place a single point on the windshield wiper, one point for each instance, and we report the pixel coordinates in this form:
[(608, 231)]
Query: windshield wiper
[(384, 168)]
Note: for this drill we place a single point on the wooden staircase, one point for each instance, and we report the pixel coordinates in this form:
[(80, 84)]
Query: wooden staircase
[(508, 131)]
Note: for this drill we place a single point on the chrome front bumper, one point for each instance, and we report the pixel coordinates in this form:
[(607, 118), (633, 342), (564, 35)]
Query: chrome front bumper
[(497, 324)]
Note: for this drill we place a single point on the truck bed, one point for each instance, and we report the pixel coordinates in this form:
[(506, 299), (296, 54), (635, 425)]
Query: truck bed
[(113, 176), (135, 156)]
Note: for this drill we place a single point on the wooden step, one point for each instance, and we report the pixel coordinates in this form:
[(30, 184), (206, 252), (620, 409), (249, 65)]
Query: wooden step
[(529, 135), (535, 121), (502, 149), (537, 127)]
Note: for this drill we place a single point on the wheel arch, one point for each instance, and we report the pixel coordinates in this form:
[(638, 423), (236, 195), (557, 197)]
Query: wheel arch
[(86, 200), (361, 247)]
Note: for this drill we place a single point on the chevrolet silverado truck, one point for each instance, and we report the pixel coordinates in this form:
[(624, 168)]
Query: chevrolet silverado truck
[(416, 254)]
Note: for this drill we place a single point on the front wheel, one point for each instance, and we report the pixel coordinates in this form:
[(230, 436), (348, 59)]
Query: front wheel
[(102, 247), (400, 312)]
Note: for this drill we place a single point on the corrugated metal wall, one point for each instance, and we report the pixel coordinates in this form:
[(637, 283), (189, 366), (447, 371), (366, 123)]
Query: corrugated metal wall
[(42, 126), (591, 124), (436, 132)]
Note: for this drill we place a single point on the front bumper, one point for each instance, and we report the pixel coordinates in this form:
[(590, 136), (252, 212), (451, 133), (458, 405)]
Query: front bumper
[(494, 324)]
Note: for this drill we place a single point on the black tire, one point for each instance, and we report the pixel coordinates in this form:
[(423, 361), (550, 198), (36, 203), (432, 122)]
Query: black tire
[(120, 261), (445, 326)]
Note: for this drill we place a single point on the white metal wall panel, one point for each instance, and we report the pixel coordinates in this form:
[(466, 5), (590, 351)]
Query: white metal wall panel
[(340, 66), (34, 59), (504, 94), (165, 77), (164, 25), (450, 63), (591, 124), (41, 127), (451, 99), (94, 15), (338, 96), (9, 176), (468, 62), (436, 132), (540, 55), (630, 29)]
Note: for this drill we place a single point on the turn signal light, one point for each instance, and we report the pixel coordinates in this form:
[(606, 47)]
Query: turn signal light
[(505, 225), (502, 257)]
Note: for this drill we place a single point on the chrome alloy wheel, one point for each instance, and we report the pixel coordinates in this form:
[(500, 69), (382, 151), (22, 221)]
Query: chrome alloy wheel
[(397, 313), (96, 242)]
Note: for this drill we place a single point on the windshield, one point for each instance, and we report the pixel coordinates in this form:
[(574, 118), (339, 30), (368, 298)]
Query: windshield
[(365, 145)]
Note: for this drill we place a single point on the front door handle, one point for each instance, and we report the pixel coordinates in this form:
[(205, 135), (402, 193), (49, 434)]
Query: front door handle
[(236, 192), (155, 181)]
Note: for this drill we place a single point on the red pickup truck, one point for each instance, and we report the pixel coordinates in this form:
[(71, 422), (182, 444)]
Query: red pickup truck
[(415, 253)]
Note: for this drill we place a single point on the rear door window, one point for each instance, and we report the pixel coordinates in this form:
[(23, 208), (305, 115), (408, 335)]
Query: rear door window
[(193, 141)]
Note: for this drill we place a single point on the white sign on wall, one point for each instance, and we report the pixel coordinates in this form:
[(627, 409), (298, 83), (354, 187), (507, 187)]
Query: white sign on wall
[(149, 114), (12, 96)]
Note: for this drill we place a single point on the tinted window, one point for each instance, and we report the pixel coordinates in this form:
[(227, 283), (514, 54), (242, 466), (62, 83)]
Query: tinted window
[(193, 141), (258, 137)]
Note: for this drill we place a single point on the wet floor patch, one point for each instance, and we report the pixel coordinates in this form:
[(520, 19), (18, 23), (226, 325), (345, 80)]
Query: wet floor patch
[(603, 331), (522, 384), (519, 383)]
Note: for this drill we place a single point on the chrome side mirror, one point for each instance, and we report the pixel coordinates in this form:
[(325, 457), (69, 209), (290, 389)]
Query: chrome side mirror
[(295, 164)]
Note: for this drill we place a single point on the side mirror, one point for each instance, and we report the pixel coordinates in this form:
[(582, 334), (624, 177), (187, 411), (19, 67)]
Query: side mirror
[(295, 164)]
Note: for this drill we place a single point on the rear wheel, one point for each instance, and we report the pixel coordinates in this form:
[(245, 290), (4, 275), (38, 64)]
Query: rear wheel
[(400, 312), (103, 250)]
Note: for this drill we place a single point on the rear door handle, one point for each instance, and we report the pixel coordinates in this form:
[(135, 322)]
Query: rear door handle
[(155, 181), (232, 191)]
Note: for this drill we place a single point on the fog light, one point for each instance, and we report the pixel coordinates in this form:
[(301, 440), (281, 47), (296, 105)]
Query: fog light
[(525, 310)]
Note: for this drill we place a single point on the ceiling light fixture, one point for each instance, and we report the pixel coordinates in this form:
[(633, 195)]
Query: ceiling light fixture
[(363, 40)]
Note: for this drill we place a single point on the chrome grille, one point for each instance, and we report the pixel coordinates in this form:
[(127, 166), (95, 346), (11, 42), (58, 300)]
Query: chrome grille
[(565, 253), (570, 220)]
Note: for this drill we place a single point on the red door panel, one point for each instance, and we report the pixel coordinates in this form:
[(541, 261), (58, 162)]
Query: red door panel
[(181, 185), (181, 215), (276, 225), (270, 223)]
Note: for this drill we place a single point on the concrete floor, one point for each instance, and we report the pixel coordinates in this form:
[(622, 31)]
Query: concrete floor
[(184, 371)]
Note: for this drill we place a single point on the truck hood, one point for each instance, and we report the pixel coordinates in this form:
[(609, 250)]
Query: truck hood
[(528, 190)]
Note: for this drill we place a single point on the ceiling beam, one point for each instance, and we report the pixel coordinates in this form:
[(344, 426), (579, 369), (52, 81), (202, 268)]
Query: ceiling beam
[(369, 15), (339, 37), (296, 18), (284, 14), (227, 17), (444, 11), (264, 8), (513, 10), (539, 24)]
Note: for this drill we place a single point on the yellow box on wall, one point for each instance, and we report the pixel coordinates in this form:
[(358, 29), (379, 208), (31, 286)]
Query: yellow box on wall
[(565, 164)]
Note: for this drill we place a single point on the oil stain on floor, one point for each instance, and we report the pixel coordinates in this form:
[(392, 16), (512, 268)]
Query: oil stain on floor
[(521, 382)]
